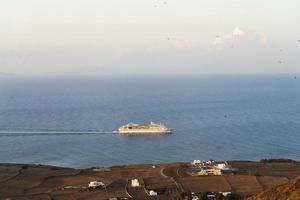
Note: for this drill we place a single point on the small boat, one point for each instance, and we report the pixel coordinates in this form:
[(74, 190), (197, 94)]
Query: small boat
[(142, 129)]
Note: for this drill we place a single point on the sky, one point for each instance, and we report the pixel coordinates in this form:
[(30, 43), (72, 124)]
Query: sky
[(74, 37)]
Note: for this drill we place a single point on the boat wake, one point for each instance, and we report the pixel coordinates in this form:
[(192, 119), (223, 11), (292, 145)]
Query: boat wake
[(18, 133)]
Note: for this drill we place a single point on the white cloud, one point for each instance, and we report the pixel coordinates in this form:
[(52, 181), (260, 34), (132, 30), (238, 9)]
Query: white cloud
[(221, 40), (182, 44), (239, 38), (263, 40), (238, 32), (225, 39)]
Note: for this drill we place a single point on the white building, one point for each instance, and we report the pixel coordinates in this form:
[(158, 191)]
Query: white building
[(135, 183), (152, 193)]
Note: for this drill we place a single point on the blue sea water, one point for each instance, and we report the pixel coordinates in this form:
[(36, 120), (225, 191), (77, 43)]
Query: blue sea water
[(66, 121)]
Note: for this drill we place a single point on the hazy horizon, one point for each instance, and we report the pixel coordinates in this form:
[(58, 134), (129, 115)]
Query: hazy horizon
[(149, 37)]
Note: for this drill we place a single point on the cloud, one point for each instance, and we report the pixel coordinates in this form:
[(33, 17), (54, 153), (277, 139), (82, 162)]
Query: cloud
[(225, 39), (221, 40), (181, 44), (238, 32), (239, 38), (263, 40)]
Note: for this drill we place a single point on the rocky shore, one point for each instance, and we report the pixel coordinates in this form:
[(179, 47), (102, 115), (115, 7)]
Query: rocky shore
[(166, 181)]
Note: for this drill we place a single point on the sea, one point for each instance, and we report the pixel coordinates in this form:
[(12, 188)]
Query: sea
[(70, 120)]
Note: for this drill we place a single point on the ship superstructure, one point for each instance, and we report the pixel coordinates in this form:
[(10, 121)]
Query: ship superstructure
[(151, 128)]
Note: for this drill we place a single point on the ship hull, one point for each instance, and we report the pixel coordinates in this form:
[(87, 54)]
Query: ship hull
[(144, 132)]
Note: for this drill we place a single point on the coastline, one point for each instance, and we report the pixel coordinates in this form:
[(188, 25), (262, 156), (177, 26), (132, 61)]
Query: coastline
[(169, 180)]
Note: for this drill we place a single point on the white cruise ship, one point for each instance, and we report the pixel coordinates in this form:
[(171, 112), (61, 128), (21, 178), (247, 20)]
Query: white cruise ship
[(139, 129)]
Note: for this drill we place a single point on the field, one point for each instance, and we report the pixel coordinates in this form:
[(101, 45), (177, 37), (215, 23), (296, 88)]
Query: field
[(21, 181)]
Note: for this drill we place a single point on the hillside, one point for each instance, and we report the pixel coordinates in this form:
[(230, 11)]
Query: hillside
[(287, 191)]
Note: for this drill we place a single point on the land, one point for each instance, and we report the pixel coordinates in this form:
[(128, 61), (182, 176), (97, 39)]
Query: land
[(169, 181), (287, 191)]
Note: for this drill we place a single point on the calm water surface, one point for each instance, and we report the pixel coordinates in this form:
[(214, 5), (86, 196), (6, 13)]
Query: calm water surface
[(60, 121)]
